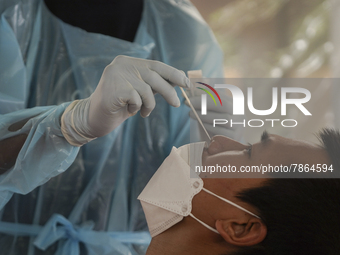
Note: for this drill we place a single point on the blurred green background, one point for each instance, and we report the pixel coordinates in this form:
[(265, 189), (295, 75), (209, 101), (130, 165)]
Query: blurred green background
[(275, 38)]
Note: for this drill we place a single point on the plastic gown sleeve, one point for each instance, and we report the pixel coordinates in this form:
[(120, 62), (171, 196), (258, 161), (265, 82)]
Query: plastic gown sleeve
[(45, 153)]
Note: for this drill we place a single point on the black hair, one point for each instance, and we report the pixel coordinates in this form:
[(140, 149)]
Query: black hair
[(302, 215)]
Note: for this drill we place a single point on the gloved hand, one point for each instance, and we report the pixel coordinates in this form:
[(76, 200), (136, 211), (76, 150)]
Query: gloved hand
[(127, 85), (216, 112)]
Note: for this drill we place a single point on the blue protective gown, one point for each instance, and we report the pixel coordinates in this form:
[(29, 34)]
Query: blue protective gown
[(44, 64)]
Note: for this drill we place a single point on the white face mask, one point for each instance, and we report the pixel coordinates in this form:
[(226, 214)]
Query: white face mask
[(167, 197)]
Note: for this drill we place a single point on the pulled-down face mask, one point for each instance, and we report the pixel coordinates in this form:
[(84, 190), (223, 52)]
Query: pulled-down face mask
[(167, 197)]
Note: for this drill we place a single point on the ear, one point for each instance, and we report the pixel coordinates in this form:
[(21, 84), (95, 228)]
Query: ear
[(242, 232)]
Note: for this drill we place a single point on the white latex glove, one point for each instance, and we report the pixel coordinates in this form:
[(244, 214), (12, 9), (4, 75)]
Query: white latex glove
[(215, 112), (127, 85)]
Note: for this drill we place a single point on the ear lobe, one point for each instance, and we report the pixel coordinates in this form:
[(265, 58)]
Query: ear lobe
[(242, 233)]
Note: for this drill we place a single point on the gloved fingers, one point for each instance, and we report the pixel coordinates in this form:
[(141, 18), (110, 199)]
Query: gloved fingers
[(211, 116), (159, 85), (134, 102), (146, 95), (226, 106), (170, 73)]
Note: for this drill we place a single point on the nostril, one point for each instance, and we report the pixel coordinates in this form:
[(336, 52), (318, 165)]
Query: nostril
[(222, 143)]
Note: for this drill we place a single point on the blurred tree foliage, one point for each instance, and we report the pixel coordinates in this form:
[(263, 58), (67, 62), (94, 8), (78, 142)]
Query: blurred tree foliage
[(281, 38)]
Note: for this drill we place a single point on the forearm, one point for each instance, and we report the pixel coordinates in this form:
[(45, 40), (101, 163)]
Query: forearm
[(32, 149), (9, 150), (10, 147)]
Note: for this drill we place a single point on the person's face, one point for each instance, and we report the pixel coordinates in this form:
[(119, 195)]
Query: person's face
[(273, 149)]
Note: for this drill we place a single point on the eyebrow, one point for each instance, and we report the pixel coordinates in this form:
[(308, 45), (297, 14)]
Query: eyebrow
[(264, 137)]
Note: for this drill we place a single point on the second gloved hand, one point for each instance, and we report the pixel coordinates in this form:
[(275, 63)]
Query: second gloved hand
[(127, 85)]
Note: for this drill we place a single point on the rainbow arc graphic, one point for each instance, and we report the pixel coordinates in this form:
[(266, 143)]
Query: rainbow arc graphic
[(204, 97)]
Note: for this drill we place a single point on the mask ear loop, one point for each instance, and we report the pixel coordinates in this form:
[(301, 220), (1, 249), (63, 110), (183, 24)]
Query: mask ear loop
[(225, 200), (229, 202), (204, 224)]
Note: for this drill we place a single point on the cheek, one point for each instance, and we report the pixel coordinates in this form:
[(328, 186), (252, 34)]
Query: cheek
[(200, 201), (276, 156), (232, 159), (228, 161)]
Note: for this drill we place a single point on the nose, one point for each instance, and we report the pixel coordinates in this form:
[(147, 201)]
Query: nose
[(221, 143)]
